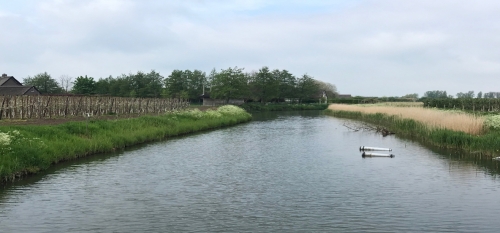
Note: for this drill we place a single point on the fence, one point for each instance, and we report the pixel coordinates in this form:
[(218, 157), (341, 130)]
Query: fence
[(28, 107)]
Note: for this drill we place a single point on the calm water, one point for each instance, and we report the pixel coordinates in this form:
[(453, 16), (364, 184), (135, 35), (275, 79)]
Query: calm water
[(292, 172)]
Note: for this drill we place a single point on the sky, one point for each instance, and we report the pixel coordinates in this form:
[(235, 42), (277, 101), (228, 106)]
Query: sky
[(363, 47)]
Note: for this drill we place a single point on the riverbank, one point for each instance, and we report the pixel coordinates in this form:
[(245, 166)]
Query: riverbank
[(27, 149), (482, 143), (258, 107)]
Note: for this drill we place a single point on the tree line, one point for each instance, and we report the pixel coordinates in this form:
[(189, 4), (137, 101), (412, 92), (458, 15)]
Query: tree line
[(264, 85), (462, 95)]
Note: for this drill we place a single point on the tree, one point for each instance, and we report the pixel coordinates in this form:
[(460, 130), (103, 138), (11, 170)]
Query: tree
[(264, 84), (195, 83), (468, 95), (65, 81), (287, 85), (329, 89), (176, 84), (44, 83), (479, 95), (84, 85), (436, 94), (411, 96), (230, 83), (145, 85), (103, 86), (307, 88)]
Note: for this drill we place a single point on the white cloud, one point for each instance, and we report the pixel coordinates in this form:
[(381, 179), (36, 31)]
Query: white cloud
[(370, 47)]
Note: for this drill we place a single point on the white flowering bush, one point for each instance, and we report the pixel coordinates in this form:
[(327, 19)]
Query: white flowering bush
[(493, 121), (4, 140), (231, 110), (213, 114), (11, 142), (220, 112), (194, 113)]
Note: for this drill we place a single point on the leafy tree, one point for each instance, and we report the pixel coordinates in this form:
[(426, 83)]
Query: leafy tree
[(44, 83), (121, 86), (264, 84), (468, 95), (195, 83), (145, 85), (436, 94), (84, 85), (411, 96), (479, 95), (176, 84), (492, 95), (230, 83), (103, 86), (307, 88), (287, 85)]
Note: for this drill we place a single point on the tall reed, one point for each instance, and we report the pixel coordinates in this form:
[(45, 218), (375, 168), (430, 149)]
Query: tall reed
[(414, 123), (434, 119)]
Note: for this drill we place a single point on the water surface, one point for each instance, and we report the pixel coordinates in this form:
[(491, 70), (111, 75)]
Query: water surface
[(282, 172)]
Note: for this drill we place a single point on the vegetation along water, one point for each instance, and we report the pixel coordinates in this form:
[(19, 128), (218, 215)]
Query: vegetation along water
[(28, 149), (449, 129)]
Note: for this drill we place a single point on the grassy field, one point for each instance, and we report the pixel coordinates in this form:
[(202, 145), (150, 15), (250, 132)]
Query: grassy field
[(26, 149), (442, 128)]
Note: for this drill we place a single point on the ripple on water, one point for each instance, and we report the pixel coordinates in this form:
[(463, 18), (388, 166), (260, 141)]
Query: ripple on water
[(294, 173)]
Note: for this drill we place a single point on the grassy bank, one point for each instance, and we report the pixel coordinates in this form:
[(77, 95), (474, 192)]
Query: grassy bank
[(29, 149), (448, 130), (282, 107)]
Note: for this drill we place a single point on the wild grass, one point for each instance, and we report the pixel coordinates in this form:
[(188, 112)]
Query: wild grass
[(431, 118), (28, 149), (395, 104), (283, 107), (432, 126)]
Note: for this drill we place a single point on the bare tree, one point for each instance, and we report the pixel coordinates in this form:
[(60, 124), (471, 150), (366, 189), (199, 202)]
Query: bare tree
[(66, 82)]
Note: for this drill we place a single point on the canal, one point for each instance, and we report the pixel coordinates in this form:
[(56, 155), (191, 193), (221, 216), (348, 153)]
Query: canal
[(282, 172)]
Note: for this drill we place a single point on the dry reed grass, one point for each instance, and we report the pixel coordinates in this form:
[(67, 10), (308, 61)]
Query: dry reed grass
[(396, 104), (430, 117)]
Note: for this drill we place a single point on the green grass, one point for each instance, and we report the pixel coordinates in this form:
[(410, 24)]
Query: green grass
[(487, 144), (282, 107), (29, 149)]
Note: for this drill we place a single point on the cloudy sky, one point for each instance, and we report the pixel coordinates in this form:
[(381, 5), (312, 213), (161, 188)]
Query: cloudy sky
[(364, 47)]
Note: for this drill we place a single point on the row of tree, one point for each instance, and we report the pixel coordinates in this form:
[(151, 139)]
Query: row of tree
[(461, 95), (264, 85)]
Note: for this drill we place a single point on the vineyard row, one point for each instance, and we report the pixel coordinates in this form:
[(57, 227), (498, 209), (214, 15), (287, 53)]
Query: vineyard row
[(28, 107)]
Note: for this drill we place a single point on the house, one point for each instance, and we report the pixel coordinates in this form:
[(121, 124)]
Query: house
[(10, 86), (207, 101)]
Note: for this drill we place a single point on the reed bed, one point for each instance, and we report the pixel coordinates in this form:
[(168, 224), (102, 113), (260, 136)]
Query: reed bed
[(434, 119), (396, 104)]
